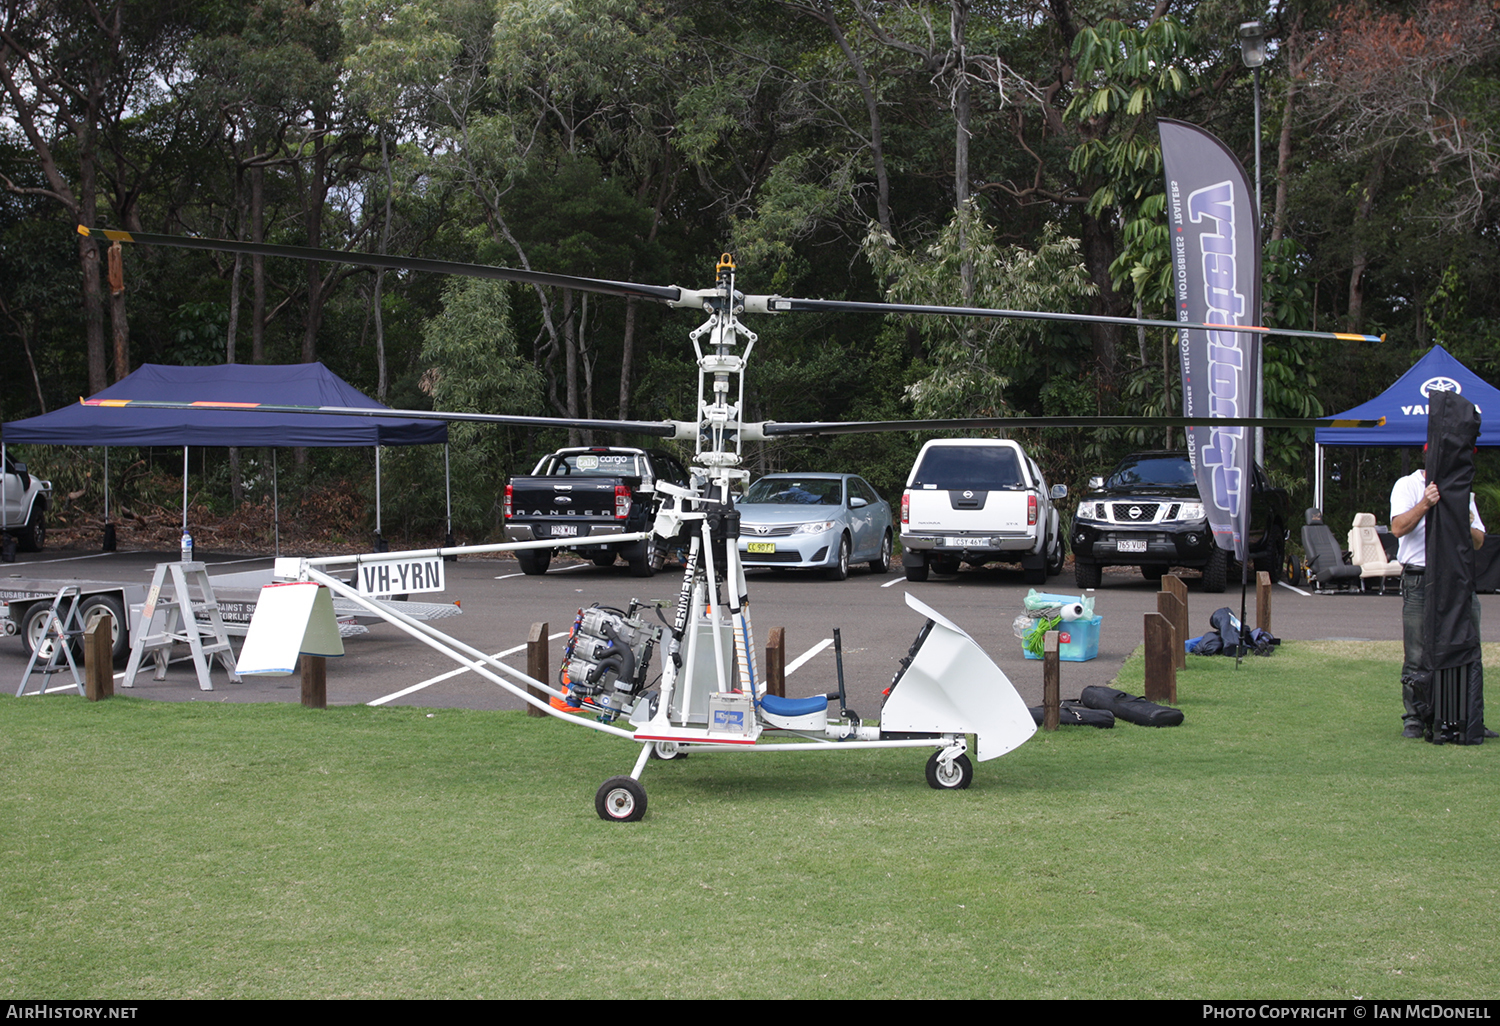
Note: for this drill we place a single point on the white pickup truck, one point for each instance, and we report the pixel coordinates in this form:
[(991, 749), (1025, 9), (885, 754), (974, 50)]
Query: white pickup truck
[(978, 501)]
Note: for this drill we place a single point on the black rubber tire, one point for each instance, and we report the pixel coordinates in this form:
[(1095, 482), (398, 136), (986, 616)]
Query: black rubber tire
[(602, 559), (958, 776), (917, 574), (1055, 566), (1274, 563), (840, 570), (1087, 575), (620, 800), (1153, 573), (534, 562), (96, 605), (642, 558), (949, 565), (1037, 576), (33, 537), (34, 626), (882, 563), (1216, 571)]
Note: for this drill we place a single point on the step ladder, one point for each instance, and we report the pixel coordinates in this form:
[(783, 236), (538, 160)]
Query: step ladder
[(63, 630), (178, 619)]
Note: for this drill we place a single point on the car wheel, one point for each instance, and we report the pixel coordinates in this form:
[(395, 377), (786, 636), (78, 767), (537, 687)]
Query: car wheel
[(917, 574), (1058, 558), (33, 537), (534, 561), (34, 629), (641, 557), (947, 565), (1153, 573), (882, 563), (1274, 562), (1216, 571), (97, 606), (840, 569), (604, 559), (1087, 575), (1036, 576)]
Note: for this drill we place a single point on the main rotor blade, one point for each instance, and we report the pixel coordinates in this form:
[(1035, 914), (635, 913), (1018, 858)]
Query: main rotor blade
[(657, 428), (772, 428), (660, 293), (777, 304)]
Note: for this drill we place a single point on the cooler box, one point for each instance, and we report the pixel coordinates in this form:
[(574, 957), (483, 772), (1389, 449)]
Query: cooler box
[(1077, 640)]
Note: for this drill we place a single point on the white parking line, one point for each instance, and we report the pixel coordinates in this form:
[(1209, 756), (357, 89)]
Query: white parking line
[(792, 666), (894, 580), (67, 559), (557, 570), (454, 673), (1288, 587)]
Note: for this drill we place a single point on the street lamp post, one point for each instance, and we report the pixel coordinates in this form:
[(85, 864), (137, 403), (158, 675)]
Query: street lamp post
[(1253, 53)]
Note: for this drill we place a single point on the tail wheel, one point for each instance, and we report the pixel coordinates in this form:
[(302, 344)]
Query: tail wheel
[(951, 776)]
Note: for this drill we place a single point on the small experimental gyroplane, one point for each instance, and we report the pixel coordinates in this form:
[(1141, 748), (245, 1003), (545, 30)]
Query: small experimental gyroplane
[(709, 695)]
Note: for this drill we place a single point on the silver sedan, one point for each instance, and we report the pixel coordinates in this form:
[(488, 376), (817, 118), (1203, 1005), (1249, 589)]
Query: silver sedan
[(812, 521)]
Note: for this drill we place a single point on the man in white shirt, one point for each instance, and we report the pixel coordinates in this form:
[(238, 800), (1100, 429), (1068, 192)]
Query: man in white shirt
[(1411, 498)]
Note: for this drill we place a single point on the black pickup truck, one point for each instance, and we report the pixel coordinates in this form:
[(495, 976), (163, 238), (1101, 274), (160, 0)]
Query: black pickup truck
[(588, 494), (1148, 513)]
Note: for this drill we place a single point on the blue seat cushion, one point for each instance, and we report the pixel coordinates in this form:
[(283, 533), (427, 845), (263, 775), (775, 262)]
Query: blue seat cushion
[(793, 706)]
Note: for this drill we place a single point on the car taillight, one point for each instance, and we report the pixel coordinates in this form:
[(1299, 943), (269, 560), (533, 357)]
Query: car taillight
[(906, 508), (1031, 511), (622, 502), (510, 505)]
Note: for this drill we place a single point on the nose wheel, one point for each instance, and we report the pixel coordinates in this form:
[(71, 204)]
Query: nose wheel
[(621, 800)]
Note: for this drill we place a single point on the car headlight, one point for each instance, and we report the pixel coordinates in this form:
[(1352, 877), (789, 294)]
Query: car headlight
[(817, 527), (1091, 511), (1191, 511)]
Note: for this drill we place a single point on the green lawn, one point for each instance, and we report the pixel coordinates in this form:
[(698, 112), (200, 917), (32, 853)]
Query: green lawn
[(1284, 842)]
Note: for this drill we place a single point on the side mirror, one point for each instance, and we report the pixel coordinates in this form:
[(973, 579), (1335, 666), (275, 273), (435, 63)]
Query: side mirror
[(1059, 492), (1096, 484)]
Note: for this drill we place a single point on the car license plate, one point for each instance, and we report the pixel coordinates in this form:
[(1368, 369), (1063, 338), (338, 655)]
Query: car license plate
[(1130, 545), (565, 530), (760, 548)]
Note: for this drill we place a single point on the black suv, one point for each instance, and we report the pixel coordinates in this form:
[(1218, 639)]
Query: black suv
[(1148, 513)]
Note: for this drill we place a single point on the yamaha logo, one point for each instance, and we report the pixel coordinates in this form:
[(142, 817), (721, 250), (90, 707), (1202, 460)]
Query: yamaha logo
[(1440, 384)]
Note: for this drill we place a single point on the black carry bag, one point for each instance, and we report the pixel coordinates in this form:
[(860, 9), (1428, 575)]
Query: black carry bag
[(1076, 714), (1457, 700), (1131, 708)]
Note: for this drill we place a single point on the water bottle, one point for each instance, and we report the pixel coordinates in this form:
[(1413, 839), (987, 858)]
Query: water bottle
[(187, 546)]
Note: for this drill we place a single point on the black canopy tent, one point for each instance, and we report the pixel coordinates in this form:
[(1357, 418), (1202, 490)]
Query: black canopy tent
[(115, 422)]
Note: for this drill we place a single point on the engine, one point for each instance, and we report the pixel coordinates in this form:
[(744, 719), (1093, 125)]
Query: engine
[(607, 659)]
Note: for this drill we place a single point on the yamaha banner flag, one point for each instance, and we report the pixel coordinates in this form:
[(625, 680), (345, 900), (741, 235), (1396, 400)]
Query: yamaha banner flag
[(1216, 264)]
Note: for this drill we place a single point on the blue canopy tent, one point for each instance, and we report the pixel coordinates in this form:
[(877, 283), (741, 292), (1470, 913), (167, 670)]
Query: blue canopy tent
[(1404, 407), (297, 384)]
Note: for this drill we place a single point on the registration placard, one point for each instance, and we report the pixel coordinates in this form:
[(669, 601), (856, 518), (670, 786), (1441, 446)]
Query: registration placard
[(399, 576)]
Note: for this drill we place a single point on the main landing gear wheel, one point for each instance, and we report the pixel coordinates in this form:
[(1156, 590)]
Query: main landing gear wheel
[(666, 751), (621, 799), (953, 776)]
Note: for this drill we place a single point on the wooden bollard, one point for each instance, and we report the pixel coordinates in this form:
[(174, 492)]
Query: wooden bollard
[(1263, 600), (537, 665), (776, 662), (99, 659), (1161, 667), (1051, 680), (314, 682), (1170, 606)]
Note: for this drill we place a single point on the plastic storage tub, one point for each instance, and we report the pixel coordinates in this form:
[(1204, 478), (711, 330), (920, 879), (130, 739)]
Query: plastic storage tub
[(1078, 640)]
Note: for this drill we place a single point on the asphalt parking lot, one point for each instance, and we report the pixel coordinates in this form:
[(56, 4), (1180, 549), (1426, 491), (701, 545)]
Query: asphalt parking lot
[(500, 604)]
